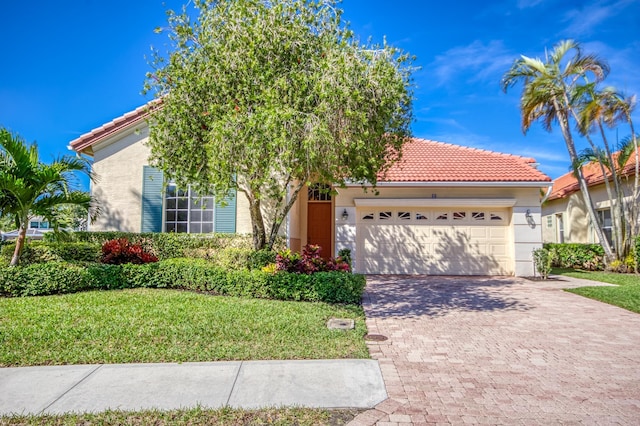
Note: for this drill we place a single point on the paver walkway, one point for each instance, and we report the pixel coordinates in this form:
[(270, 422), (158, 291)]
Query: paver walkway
[(500, 351)]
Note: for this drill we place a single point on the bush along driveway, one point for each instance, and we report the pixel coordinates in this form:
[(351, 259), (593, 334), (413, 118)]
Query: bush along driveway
[(500, 351)]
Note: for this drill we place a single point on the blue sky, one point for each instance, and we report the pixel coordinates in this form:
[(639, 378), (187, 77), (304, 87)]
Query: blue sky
[(70, 66)]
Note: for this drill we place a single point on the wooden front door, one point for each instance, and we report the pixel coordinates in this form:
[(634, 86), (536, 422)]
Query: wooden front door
[(319, 226)]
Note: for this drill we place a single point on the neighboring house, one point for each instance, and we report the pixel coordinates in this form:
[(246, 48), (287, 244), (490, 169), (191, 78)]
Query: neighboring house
[(38, 226), (445, 209), (564, 214)]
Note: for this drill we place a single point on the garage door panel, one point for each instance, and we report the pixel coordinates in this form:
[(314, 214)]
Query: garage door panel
[(496, 233), (397, 232), (396, 250), (498, 249), (458, 247), (478, 232)]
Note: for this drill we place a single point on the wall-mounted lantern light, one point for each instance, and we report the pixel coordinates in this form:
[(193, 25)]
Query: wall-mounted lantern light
[(345, 214), (529, 217)]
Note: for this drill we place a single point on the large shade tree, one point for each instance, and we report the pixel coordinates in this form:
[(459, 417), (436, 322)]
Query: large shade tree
[(549, 94), (266, 96), (29, 187)]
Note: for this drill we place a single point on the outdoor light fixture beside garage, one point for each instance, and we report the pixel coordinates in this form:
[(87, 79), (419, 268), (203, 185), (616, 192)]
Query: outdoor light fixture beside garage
[(345, 214), (530, 219)]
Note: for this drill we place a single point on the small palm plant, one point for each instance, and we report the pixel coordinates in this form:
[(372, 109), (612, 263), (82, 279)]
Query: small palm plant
[(30, 188)]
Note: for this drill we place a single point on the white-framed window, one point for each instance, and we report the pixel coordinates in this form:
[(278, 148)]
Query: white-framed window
[(186, 211), (549, 221), (560, 227), (604, 216)]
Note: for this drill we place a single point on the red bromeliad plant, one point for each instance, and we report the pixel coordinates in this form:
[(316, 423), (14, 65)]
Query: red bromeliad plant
[(308, 262), (119, 251)]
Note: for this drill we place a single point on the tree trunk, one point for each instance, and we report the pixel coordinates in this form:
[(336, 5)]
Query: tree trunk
[(618, 217), (257, 222), (22, 236), (563, 120), (279, 217)]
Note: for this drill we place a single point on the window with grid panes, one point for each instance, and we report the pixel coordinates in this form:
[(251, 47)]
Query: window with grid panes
[(187, 211)]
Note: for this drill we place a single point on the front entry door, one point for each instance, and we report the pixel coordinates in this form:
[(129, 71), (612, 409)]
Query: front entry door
[(319, 227)]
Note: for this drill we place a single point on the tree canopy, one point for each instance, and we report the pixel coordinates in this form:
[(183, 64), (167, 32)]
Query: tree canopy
[(267, 96)]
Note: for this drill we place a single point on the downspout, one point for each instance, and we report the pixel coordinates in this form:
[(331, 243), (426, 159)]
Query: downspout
[(546, 195)]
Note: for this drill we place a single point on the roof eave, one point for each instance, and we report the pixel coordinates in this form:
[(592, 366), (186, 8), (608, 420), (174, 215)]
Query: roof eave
[(522, 184)]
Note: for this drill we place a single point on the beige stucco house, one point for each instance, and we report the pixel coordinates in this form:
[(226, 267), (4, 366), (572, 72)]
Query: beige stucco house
[(445, 209), (564, 213)]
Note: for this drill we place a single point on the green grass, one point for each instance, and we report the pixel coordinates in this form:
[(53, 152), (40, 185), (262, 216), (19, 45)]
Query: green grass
[(150, 325), (605, 277), (196, 416), (626, 295)]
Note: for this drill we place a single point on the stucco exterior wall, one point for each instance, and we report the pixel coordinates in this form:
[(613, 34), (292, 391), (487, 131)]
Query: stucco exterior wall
[(577, 226), (243, 216), (118, 163), (118, 166)]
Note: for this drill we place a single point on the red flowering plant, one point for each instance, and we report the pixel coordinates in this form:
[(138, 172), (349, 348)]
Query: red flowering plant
[(309, 261), (119, 251)]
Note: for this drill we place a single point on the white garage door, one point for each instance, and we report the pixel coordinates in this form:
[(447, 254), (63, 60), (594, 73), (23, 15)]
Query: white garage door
[(457, 241)]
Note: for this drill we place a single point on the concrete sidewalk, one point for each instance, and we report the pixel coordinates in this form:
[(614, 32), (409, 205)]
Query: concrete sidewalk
[(242, 384)]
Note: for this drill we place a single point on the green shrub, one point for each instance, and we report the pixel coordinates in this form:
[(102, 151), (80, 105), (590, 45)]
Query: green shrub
[(258, 259), (542, 259), (181, 273), (42, 279), (42, 252), (345, 255), (578, 256), (168, 245)]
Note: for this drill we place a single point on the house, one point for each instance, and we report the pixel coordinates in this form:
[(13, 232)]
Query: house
[(38, 226), (444, 209), (564, 214)]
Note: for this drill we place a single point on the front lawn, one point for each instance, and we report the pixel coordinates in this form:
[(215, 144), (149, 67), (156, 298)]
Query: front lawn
[(195, 416), (626, 295), (151, 325)]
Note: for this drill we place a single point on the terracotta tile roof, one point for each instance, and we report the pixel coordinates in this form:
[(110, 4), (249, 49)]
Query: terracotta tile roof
[(103, 132), (423, 160), (567, 184), (430, 161)]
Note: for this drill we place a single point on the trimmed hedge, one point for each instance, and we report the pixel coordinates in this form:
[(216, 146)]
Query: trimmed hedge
[(184, 274), (589, 257), (42, 252), (168, 245), (91, 251)]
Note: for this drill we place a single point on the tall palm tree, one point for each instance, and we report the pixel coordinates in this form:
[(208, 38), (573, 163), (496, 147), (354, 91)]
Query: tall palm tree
[(621, 109), (548, 88), (30, 188), (595, 109)]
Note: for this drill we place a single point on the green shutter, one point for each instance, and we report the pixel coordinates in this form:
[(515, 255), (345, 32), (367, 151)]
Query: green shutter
[(225, 217), (152, 183)]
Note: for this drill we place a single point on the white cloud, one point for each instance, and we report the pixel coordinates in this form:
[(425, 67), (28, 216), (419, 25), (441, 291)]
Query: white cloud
[(475, 62), (581, 21)]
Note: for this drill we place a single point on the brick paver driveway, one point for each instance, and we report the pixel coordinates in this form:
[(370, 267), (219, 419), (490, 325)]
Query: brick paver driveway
[(500, 351)]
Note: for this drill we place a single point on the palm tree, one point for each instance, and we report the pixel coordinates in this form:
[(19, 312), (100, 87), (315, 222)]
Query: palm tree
[(594, 110), (548, 90), (29, 187)]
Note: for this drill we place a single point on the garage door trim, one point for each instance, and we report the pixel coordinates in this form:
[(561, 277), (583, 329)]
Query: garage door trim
[(435, 202)]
